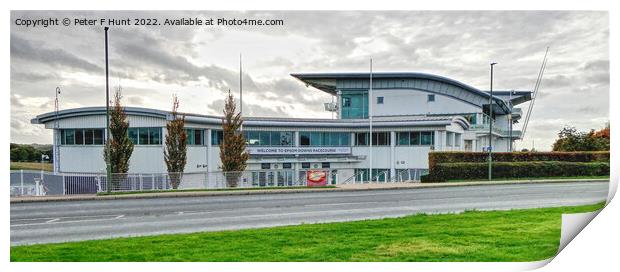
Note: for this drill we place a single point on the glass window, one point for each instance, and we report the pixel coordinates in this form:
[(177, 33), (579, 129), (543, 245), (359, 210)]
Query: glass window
[(403, 138), (431, 98), (361, 138), (346, 102), (265, 138), (344, 139), (316, 139), (379, 99), (254, 138), (70, 136), (275, 138), (98, 136), (154, 136), (62, 137), (79, 136), (286, 138), (265, 166), (143, 136), (414, 138), (217, 136), (133, 135), (457, 139), (304, 138), (198, 136), (305, 165), (287, 165), (427, 138), (325, 165), (88, 136), (189, 133)]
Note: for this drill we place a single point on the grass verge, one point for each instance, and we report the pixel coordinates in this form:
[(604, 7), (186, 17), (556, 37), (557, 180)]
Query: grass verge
[(516, 235), (31, 166), (212, 190)]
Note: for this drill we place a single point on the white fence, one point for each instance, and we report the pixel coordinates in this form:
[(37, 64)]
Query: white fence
[(39, 183)]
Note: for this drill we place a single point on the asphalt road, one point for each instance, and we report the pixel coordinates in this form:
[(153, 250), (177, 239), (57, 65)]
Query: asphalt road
[(50, 222)]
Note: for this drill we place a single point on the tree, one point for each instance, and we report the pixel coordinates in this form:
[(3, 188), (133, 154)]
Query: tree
[(570, 139), (175, 154), (120, 146), (233, 155)]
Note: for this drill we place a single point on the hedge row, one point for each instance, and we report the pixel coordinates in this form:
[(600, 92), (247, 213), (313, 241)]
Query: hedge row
[(469, 170), (435, 158)]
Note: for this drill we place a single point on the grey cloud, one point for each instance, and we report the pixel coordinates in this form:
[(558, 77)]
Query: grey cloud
[(27, 50)]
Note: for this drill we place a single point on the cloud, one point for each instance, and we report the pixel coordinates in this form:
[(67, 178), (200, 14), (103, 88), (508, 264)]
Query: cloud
[(201, 64), (33, 51)]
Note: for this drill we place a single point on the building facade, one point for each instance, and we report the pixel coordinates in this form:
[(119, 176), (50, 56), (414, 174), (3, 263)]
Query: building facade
[(412, 115)]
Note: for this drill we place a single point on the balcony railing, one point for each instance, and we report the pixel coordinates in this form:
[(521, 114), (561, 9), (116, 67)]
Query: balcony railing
[(496, 130)]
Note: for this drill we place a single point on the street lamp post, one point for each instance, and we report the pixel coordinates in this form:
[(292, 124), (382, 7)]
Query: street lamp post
[(491, 125), (107, 114)]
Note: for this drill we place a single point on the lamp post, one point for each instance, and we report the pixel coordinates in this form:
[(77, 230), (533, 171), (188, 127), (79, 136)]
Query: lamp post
[(491, 124), (107, 114)]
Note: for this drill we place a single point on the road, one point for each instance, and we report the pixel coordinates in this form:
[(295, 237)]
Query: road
[(50, 222)]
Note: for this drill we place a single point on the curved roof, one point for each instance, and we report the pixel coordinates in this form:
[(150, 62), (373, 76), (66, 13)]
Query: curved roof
[(331, 82), (264, 121)]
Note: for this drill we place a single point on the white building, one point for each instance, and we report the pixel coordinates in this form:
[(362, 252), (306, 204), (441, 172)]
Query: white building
[(413, 113)]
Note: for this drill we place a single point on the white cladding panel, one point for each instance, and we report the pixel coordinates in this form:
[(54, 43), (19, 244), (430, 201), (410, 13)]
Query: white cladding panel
[(411, 102), (411, 157), (147, 159), (196, 159), (82, 159), (380, 156), (98, 121)]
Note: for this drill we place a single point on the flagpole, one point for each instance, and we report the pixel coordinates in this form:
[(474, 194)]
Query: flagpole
[(240, 89), (370, 102)]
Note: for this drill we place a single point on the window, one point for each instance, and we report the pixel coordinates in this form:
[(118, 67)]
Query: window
[(217, 137), (307, 138), (265, 166), (98, 136), (133, 135), (325, 165), (70, 136), (354, 104), (145, 135), (305, 165), (346, 102), (287, 165), (427, 138), (269, 138), (379, 99), (195, 136), (430, 98), (457, 139), (91, 136), (378, 138), (449, 138), (415, 138)]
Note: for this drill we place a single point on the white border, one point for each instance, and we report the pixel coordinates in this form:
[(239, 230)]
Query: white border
[(595, 247)]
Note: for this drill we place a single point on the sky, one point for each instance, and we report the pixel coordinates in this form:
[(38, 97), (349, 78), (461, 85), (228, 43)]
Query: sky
[(200, 64)]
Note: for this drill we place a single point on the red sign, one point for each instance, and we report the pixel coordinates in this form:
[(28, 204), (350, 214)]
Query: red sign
[(316, 178)]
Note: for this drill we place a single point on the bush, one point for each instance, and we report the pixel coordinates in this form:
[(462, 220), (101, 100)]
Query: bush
[(435, 158), (476, 170)]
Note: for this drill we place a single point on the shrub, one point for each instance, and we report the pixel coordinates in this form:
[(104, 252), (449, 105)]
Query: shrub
[(477, 170), (435, 158)]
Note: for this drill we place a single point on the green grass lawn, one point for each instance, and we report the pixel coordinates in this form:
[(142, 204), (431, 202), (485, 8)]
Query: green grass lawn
[(517, 235), (530, 178), (31, 166), (213, 190)]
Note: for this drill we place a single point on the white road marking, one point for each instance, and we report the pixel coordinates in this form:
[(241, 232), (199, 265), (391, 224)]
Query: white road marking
[(52, 220)]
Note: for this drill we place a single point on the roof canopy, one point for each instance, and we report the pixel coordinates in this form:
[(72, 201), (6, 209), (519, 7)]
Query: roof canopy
[(332, 82)]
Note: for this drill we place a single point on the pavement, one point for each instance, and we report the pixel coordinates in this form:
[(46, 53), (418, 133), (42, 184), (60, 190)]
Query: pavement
[(61, 221), (343, 187)]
